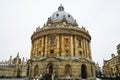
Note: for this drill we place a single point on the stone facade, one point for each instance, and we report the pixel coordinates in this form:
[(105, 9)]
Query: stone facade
[(112, 66), (13, 67), (60, 49)]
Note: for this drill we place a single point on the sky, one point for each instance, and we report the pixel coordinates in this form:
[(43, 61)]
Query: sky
[(20, 18)]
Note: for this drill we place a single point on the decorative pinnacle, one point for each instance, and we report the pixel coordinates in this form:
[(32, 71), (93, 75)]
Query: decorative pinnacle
[(60, 8)]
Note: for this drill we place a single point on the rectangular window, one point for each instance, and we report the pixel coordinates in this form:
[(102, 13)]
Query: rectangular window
[(66, 42), (40, 43), (79, 43), (51, 51), (52, 41), (80, 53)]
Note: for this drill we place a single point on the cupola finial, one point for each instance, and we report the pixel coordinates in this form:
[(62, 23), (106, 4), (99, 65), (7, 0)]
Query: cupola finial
[(60, 8)]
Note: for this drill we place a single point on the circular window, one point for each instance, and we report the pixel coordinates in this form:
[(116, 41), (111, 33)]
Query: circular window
[(57, 15), (68, 15)]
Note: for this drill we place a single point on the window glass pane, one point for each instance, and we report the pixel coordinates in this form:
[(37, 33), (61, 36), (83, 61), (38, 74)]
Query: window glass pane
[(52, 40), (79, 43), (51, 51)]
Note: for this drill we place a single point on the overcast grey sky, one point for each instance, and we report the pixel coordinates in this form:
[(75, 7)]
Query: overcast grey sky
[(19, 19)]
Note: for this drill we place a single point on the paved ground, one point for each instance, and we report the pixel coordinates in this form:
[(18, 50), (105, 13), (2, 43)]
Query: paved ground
[(24, 79)]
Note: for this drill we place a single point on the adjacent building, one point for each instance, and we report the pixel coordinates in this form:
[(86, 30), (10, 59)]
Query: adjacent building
[(111, 67), (61, 49), (13, 67)]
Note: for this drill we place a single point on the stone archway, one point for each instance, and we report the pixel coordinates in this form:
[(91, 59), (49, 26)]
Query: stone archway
[(68, 70), (51, 69), (83, 71), (36, 70), (18, 73)]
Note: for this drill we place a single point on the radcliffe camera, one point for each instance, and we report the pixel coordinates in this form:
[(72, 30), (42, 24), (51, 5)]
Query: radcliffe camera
[(59, 50)]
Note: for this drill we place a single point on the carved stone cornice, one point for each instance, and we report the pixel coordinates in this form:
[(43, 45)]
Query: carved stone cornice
[(63, 31)]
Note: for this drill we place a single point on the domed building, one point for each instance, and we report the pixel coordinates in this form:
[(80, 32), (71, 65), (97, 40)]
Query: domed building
[(61, 49)]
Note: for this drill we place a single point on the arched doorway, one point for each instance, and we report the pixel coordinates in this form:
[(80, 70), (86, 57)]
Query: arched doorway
[(83, 71), (36, 70), (18, 73), (68, 70), (50, 69)]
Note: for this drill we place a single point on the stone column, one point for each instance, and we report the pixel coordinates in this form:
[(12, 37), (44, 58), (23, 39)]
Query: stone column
[(60, 41), (58, 44), (88, 71), (32, 48), (62, 46), (37, 48), (84, 48), (89, 50), (72, 46), (75, 40), (80, 71), (46, 43), (43, 46)]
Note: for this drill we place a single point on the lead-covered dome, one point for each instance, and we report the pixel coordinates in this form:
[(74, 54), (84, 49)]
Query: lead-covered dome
[(61, 15)]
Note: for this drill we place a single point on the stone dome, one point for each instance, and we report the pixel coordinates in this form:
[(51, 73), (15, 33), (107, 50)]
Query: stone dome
[(61, 15)]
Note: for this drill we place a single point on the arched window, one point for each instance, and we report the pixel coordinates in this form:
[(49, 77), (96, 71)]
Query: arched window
[(36, 70), (68, 70), (84, 71), (50, 69)]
